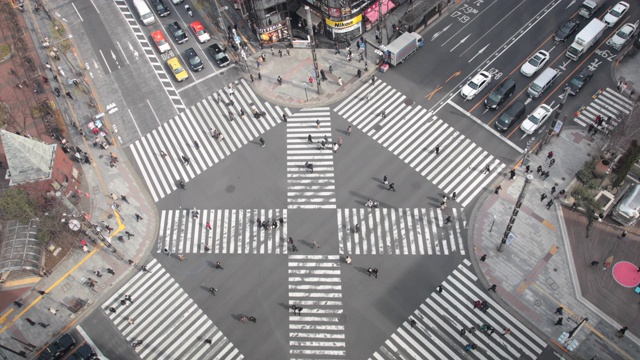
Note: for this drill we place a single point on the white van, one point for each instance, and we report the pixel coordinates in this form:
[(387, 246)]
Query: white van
[(145, 14), (626, 212)]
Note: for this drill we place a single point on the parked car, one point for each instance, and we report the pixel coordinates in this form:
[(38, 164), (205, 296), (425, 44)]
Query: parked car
[(535, 120), (500, 94), (178, 34), (566, 30), (200, 32), (623, 35), (194, 60), (510, 116), (616, 13), (535, 63), (577, 83), (58, 348), (475, 85), (161, 42), (218, 55)]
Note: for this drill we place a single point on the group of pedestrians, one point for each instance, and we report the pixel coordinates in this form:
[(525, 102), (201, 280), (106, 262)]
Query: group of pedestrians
[(269, 225)]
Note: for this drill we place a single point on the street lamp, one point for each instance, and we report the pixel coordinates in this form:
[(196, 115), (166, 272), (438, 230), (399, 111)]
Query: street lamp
[(305, 90), (508, 236), (313, 48)]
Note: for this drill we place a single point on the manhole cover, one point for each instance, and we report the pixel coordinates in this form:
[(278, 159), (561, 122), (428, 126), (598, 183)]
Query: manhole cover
[(231, 188), (408, 102), (537, 303)]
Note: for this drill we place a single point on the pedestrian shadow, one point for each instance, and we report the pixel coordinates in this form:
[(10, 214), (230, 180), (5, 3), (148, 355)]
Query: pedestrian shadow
[(306, 242), (285, 306), (211, 264), (362, 269)]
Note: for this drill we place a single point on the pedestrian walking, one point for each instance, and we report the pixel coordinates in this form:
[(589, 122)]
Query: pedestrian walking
[(385, 180), (561, 193), (463, 331), (138, 217), (124, 198), (527, 169), (559, 321), (559, 310), (186, 160), (545, 175), (542, 197), (163, 154), (98, 273), (218, 265), (69, 95), (549, 155), (318, 124), (454, 195), (290, 241), (253, 319), (553, 190), (483, 258), (539, 169), (294, 248), (348, 260), (309, 139), (472, 330), (493, 288), (180, 257), (213, 290), (621, 332), (112, 310), (373, 80), (294, 308), (549, 204), (349, 130), (470, 347), (357, 228), (437, 149), (392, 187), (340, 81), (447, 220), (553, 161), (262, 142), (623, 235), (110, 271), (109, 228), (498, 188), (506, 331), (300, 310), (595, 263), (590, 129), (208, 226), (43, 325), (443, 205), (315, 244), (322, 75), (129, 235), (574, 206), (31, 322), (512, 174), (412, 323), (367, 97), (487, 170), (17, 304), (439, 289)]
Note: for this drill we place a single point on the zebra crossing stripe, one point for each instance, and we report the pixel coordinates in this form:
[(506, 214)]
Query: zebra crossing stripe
[(176, 138), (400, 231), (315, 285), (408, 128), (234, 231), (168, 321), (305, 188), (436, 334), (609, 103)]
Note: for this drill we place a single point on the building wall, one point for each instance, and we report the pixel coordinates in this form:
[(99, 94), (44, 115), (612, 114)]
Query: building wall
[(62, 172)]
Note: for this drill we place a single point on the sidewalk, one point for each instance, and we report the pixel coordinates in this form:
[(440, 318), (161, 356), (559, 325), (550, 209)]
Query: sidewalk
[(66, 298)]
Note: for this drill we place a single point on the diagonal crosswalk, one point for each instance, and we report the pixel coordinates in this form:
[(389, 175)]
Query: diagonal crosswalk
[(606, 103), (412, 134), (167, 321), (231, 231), (176, 137), (401, 231), (310, 188), (317, 331), (439, 319)]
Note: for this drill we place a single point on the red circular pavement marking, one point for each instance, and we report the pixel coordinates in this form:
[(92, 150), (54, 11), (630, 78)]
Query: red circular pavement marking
[(626, 274)]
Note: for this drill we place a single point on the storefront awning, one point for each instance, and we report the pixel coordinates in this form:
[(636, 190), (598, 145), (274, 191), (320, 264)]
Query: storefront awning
[(372, 13), (303, 14)]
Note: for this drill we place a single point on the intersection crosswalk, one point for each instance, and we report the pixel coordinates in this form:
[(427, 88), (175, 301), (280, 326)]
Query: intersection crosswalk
[(176, 138), (606, 103), (231, 231), (310, 187), (439, 319), (401, 231), (412, 134), (167, 321), (317, 331)]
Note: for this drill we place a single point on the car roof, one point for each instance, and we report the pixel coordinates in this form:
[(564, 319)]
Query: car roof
[(196, 24), (174, 62), (541, 52), (544, 108), (515, 108), (621, 5), (509, 82), (157, 35)]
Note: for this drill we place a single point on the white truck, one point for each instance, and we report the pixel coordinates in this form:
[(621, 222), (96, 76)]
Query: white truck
[(401, 48), (145, 14), (589, 7), (586, 38)]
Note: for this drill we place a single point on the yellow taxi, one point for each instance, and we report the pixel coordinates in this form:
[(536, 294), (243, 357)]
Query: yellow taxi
[(178, 70)]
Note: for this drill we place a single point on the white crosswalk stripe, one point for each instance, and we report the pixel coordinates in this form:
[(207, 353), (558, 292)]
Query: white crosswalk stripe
[(439, 319), (607, 103), (232, 231), (176, 137), (167, 321), (412, 134), (310, 187), (317, 331), (401, 231)]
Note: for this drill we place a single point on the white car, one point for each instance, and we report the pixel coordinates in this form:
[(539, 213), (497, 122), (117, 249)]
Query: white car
[(616, 13), (475, 85), (623, 35), (534, 121), (535, 63)]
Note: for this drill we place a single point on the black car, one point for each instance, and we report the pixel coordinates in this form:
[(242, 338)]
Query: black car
[(193, 59), (58, 348), (500, 94), (161, 8), (178, 33), (510, 116), (84, 352), (579, 81), (566, 30), (218, 55)]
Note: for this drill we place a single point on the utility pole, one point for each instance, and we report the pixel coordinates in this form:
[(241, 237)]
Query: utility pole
[(547, 135), (380, 20), (523, 193), (313, 49), (221, 22)]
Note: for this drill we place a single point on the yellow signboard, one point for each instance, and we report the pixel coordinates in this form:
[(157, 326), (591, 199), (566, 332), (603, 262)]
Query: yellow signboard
[(344, 24)]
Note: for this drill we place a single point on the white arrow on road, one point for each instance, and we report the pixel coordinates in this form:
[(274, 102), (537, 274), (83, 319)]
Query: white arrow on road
[(135, 53), (571, 4), (479, 52), (564, 65), (460, 43), (440, 32)]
